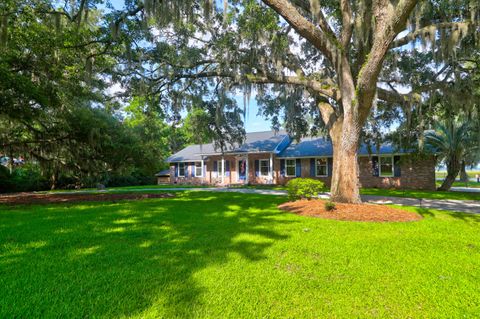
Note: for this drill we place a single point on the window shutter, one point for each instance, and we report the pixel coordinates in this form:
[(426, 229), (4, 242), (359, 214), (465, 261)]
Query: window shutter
[(375, 167), (282, 167), (176, 169), (215, 168), (312, 167), (396, 166), (227, 168), (298, 171), (186, 167), (330, 166), (257, 167)]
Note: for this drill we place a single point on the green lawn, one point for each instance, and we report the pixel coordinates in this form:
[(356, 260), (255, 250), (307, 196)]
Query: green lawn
[(218, 255), (365, 191), (272, 187), (129, 188), (421, 194), (462, 184), (442, 174)]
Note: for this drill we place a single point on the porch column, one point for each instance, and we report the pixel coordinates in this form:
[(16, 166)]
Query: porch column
[(246, 171), (203, 171), (223, 170), (271, 168)]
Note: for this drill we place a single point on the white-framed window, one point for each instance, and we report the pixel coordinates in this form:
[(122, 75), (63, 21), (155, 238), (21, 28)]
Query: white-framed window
[(219, 168), (181, 169), (290, 167), (198, 169), (264, 167), (321, 167), (386, 166)]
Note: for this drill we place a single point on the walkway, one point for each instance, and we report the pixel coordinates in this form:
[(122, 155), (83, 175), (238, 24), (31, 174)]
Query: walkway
[(465, 189), (466, 206)]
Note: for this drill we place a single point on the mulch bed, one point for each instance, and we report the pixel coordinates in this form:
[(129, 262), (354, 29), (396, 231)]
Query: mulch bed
[(32, 198), (351, 212)]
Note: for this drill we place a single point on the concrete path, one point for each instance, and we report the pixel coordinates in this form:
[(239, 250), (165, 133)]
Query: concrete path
[(466, 189), (467, 206)]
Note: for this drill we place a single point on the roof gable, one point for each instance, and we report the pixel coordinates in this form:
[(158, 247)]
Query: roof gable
[(262, 141), (255, 142)]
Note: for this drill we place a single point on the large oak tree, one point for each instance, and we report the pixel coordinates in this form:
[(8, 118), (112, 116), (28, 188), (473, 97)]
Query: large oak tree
[(302, 57), (317, 64)]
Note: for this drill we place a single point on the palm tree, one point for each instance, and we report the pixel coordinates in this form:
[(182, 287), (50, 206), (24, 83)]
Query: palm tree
[(453, 142)]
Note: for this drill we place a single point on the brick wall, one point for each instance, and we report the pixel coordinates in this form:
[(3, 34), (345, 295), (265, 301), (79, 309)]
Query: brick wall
[(416, 173), (305, 171), (191, 180)]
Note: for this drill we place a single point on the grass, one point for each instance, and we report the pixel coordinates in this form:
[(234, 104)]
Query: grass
[(462, 184), (128, 188), (272, 187), (157, 187), (420, 194), (443, 174), (365, 191), (218, 255)]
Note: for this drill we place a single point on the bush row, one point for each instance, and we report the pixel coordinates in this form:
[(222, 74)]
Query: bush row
[(29, 178)]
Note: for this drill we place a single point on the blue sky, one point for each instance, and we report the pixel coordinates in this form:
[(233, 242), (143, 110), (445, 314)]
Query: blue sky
[(253, 122)]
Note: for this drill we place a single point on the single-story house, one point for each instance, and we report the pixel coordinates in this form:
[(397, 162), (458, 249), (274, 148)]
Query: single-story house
[(163, 177), (274, 158)]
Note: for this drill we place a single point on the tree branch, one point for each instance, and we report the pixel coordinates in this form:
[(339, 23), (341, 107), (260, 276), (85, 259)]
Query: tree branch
[(304, 27), (327, 112), (389, 22), (347, 24), (315, 85), (427, 30), (322, 21), (394, 96)]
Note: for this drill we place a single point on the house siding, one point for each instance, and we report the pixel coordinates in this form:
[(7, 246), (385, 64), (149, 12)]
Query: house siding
[(416, 173)]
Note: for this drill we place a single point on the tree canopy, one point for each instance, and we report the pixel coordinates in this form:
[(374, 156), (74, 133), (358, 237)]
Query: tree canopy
[(346, 69)]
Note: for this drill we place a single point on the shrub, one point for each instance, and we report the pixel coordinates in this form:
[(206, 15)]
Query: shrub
[(304, 188), (23, 179), (329, 206)]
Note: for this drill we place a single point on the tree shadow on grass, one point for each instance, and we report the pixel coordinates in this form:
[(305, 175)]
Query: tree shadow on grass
[(467, 217), (128, 258)]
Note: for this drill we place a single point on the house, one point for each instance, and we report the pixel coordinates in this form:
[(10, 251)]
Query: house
[(275, 158), (163, 177)]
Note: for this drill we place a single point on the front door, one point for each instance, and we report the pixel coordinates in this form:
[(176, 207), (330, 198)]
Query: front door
[(242, 170)]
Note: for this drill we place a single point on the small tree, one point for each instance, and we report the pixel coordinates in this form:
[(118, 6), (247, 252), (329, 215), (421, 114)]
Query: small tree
[(453, 142)]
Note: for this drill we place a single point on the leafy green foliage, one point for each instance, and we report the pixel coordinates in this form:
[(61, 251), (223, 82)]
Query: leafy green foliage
[(55, 67), (329, 205), (304, 188)]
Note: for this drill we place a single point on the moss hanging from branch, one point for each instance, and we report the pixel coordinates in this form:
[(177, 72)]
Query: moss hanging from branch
[(4, 31), (225, 11), (58, 21)]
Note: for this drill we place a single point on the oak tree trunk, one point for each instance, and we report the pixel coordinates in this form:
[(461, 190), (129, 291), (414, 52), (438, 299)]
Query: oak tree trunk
[(345, 139), (54, 180)]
